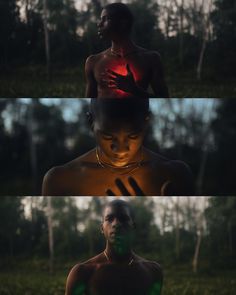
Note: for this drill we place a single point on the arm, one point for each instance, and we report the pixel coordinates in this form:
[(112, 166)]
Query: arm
[(158, 83), (75, 283), (156, 287), (91, 83)]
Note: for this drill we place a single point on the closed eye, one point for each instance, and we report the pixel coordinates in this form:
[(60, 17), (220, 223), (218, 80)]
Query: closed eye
[(106, 136), (134, 136)]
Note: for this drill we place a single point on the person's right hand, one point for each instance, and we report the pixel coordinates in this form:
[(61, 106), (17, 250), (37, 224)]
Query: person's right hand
[(124, 191)]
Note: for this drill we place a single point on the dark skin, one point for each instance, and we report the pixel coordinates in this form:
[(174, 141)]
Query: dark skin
[(122, 272), (124, 69), (119, 144)]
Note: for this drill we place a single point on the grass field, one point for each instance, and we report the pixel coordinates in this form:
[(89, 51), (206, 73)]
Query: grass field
[(175, 283), (70, 82)]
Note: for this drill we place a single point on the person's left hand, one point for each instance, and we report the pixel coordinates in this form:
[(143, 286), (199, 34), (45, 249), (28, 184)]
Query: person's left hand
[(124, 191), (125, 83)]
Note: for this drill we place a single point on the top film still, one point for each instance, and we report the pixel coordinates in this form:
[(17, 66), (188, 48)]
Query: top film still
[(102, 147), (141, 49)]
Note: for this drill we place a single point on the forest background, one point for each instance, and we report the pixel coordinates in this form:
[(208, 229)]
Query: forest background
[(44, 45), (193, 238), (37, 134)]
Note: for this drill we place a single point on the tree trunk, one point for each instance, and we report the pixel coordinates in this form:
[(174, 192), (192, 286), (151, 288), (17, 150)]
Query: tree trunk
[(181, 33), (200, 60), (177, 238), (196, 253), (47, 38), (50, 235)]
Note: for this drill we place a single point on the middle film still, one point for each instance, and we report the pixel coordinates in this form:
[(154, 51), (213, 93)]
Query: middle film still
[(83, 147)]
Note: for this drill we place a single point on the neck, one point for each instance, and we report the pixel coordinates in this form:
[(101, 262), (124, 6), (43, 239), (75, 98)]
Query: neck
[(136, 160), (123, 46), (115, 256)]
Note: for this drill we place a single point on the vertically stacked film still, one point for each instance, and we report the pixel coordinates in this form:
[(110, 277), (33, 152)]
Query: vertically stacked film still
[(117, 129)]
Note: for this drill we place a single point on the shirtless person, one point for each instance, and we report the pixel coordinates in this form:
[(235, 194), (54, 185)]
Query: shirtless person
[(120, 164), (124, 69), (117, 270)]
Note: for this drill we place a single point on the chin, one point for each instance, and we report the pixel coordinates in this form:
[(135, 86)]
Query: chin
[(120, 163)]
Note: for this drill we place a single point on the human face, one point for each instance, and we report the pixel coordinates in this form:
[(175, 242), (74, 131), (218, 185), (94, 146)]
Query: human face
[(117, 227), (106, 25), (119, 142)]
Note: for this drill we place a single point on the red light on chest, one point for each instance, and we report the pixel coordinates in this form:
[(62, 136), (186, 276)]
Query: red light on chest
[(121, 69)]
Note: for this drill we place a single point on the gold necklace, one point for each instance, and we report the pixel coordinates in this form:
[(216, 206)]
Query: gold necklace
[(105, 254), (114, 169)]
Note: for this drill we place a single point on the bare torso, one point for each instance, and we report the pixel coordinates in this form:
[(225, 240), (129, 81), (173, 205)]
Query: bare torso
[(84, 176), (100, 277), (144, 64)]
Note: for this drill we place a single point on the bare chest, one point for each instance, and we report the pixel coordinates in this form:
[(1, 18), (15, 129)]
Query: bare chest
[(120, 280), (102, 181), (139, 67)]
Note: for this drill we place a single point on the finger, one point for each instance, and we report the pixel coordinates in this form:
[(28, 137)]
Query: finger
[(109, 192), (112, 73), (109, 76), (135, 186), (121, 187), (112, 85), (128, 69)]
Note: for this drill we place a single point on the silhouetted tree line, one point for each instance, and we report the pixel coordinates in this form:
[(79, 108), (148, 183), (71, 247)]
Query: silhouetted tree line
[(189, 35)]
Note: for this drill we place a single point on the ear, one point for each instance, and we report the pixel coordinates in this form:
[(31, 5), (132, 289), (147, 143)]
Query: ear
[(90, 119)]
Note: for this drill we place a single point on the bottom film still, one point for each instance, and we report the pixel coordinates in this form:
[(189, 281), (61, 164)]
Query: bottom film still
[(117, 246)]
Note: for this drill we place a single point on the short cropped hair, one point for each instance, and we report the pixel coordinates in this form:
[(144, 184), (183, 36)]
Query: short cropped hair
[(121, 203), (121, 11), (124, 109)]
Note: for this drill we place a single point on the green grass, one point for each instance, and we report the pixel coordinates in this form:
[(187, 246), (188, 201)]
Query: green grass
[(31, 81), (175, 283)]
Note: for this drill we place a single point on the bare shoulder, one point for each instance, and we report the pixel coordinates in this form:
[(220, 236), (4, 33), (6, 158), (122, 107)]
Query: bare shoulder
[(153, 267), (77, 280), (55, 180), (181, 179), (92, 59), (178, 175)]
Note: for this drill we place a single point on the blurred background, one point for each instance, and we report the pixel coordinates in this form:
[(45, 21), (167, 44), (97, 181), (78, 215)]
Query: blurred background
[(44, 45), (37, 134), (192, 238)]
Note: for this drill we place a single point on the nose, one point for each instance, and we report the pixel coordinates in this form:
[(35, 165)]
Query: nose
[(116, 223), (120, 147), (99, 23)]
